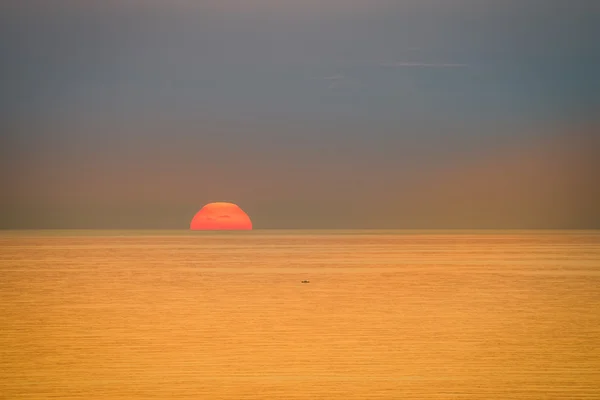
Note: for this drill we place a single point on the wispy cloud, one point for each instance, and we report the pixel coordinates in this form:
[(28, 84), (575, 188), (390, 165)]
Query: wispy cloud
[(340, 80), (403, 64), (334, 77), (335, 80)]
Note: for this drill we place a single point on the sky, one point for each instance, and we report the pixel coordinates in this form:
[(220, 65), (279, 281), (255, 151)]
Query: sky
[(429, 114)]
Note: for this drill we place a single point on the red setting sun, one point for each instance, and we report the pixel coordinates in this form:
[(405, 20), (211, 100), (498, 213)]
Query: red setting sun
[(222, 217)]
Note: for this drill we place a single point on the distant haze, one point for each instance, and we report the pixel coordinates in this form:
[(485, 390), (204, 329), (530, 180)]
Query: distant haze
[(333, 114)]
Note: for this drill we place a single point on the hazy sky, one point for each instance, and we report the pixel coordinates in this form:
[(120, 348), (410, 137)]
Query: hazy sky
[(308, 114)]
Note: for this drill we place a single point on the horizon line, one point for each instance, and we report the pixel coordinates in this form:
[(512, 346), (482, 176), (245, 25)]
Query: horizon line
[(294, 229)]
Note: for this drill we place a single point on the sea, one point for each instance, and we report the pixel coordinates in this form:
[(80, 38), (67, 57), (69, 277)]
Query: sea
[(270, 314)]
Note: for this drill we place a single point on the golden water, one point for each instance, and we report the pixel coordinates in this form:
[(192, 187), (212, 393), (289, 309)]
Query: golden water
[(386, 315)]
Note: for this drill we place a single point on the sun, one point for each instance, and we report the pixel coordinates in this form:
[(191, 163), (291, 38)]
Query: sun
[(221, 216)]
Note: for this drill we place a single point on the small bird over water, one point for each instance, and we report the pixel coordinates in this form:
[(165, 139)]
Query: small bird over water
[(305, 281)]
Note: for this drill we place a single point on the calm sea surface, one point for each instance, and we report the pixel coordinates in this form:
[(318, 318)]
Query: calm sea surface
[(386, 315)]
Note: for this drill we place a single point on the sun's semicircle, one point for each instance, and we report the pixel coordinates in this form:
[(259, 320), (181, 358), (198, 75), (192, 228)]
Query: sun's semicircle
[(221, 216)]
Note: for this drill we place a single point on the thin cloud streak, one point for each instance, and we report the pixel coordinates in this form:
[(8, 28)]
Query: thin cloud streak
[(340, 80), (403, 64), (335, 79)]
